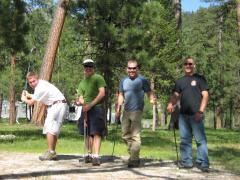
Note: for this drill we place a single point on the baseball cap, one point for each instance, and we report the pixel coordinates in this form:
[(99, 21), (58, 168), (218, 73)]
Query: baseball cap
[(88, 62)]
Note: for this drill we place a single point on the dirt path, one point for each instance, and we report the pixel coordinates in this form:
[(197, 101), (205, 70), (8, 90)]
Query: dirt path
[(27, 166)]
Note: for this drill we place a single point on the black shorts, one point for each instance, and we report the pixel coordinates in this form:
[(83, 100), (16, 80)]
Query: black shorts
[(95, 122)]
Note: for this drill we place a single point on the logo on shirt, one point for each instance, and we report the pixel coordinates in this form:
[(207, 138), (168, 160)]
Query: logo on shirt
[(193, 83)]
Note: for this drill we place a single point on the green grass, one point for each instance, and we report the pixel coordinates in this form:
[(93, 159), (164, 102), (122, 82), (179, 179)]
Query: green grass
[(224, 144)]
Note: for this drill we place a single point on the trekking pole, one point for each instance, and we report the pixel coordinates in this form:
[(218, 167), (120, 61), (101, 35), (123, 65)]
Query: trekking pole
[(117, 121), (85, 132), (175, 139), (25, 89), (26, 81), (114, 140), (174, 119)]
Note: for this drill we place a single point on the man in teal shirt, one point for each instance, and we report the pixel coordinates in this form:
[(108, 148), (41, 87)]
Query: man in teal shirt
[(91, 92), (131, 94)]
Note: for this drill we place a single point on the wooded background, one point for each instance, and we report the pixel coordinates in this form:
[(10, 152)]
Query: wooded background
[(155, 32)]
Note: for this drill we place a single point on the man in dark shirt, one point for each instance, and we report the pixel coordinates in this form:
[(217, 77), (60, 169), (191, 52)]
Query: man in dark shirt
[(192, 90)]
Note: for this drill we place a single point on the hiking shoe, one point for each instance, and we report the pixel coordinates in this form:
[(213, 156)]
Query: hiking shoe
[(183, 166), (202, 168), (96, 161), (88, 159), (48, 156), (133, 163)]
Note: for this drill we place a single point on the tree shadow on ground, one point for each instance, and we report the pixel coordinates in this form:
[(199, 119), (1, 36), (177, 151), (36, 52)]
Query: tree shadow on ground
[(23, 133), (104, 159), (227, 157), (86, 169), (110, 164)]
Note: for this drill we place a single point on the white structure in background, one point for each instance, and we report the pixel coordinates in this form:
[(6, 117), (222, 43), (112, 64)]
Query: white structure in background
[(20, 108), (112, 117), (73, 113)]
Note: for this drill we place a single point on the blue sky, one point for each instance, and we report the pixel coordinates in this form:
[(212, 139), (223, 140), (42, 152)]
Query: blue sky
[(193, 5)]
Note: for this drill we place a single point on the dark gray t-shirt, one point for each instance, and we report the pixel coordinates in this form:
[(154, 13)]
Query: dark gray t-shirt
[(133, 90), (190, 88)]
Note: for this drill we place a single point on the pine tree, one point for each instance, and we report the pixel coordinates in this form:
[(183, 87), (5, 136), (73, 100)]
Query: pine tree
[(12, 30)]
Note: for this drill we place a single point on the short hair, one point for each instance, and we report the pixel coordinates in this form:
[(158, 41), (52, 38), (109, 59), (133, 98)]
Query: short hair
[(132, 61), (188, 57), (31, 74)]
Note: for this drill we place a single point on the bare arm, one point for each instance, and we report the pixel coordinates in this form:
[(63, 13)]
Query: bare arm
[(173, 101), (80, 101), (204, 101), (100, 96), (151, 97), (27, 98), (203, 104), (120, 101)]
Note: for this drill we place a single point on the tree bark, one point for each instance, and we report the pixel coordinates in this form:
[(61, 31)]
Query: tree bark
[(218, 121), (154, 118), (155, 110), (12, 91), (178, 13), (220, 35), (238, 16), (1, 102), (237, 118), (50, 55), (218, 113), (238, 21)]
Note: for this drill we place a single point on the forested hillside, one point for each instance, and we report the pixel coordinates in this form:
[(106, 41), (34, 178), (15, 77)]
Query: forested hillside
[(110, 32)]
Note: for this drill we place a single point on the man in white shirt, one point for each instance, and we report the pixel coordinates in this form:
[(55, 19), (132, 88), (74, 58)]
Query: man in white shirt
[(51, 96)]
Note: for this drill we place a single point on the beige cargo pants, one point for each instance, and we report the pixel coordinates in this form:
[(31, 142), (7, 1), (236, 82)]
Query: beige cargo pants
[(131, 129)]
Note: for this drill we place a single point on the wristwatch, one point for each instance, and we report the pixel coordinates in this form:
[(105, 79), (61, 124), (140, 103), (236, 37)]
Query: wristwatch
[(200, 112)]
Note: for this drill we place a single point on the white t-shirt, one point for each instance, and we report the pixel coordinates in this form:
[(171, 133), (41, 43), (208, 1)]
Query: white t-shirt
[(47, 93)]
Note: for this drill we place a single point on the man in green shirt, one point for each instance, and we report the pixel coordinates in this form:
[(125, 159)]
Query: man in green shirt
[(91, 92)]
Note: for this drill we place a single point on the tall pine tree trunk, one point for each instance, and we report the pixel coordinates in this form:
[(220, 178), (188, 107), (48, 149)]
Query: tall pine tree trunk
[(238, 17), (237, 118), (178, 13), (155, 110), (50, 54), (1, 103), (12, 91), (218, 110), (218, 117)]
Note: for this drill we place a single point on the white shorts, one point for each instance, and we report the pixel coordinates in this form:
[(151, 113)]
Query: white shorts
[(54, 119)]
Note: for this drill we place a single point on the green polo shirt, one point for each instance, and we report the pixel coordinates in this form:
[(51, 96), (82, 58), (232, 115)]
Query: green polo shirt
[(89, 87)]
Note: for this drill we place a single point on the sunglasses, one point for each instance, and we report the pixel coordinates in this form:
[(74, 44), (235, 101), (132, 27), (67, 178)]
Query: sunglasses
[(88, 66), (188, 64), (132, 68)]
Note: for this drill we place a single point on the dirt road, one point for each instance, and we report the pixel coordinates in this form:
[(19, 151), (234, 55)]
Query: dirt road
[(27, 166)]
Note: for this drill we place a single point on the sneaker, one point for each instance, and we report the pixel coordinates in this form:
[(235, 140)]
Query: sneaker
[(88, 159), (48, 156), (184, 166), (96, 161), (133, 163), (202, 168)]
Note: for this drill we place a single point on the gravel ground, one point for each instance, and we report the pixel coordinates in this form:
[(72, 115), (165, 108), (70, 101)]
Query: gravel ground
[(27, 166)]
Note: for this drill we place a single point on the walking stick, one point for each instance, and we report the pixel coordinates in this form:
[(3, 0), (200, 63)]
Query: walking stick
[(85, 132), (117, 121), (175, 144), (174, 118), (25, 89)]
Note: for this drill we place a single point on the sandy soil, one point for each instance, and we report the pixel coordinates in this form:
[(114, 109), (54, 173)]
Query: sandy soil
[(27, 166)]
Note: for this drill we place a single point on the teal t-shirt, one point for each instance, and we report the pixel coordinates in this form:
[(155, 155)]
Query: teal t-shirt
[(88, 88)]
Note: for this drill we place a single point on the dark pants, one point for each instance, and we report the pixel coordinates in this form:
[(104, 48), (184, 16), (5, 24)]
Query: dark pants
[(95, 121)]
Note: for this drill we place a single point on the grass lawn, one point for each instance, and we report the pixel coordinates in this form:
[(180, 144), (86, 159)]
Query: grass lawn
[(224, 144)]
